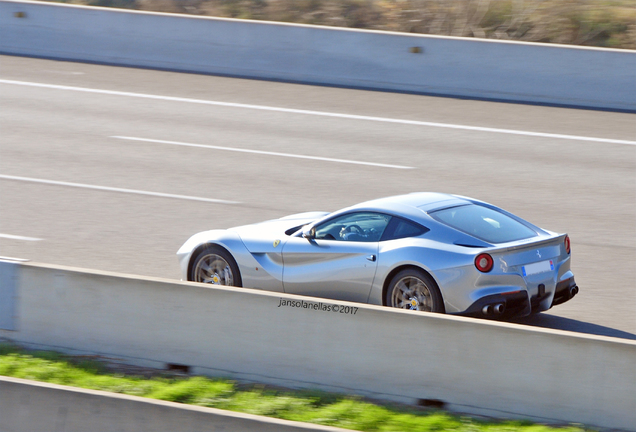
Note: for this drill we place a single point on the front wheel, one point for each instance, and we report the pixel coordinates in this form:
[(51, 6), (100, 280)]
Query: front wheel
[(413, 289), (214, 265)]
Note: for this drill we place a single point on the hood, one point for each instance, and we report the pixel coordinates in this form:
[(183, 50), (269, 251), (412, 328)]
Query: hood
[(261, 237)]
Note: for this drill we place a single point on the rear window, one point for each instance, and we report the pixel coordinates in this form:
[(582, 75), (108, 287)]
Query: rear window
[(484, 223)]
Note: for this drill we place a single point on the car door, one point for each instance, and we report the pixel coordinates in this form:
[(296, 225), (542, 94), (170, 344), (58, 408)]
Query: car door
[(337, 260)]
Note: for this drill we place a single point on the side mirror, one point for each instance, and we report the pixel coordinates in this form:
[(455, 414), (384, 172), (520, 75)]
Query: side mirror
[(309, 233)]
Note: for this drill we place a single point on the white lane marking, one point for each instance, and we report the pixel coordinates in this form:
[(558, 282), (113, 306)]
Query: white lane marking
[(289, 155), (112, 189), (63, 72), (322, 113), (15, 237)]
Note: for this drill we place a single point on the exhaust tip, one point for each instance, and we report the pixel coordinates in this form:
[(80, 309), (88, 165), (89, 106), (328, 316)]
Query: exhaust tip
[(487, 310), (499, 308), (574, 291)]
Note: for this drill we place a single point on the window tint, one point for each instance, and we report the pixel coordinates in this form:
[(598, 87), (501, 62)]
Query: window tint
[(401, 228), (484, 223), (361, 227)]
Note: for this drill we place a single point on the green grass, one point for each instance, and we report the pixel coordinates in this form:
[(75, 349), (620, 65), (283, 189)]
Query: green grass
[(305, 406)]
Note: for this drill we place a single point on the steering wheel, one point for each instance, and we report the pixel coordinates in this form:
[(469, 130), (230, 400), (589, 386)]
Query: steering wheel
[(353, 228)]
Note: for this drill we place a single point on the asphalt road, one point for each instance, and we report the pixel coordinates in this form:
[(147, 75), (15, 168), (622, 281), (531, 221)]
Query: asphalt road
[(73, 194)]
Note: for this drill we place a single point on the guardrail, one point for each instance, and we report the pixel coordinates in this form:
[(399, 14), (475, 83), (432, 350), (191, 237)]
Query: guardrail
[(473, 366), (461, 67), (29, 406)]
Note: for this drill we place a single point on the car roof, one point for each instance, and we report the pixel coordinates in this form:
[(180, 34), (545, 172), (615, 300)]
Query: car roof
[(413, 205)]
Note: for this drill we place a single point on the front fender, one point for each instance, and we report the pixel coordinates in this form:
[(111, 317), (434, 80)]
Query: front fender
[(224, 238), (253, 273)]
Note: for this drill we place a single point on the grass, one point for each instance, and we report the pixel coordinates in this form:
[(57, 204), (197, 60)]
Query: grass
[(306, 406)]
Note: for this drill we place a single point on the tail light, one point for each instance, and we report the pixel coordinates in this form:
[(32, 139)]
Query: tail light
[(566, 243), (483, 262)]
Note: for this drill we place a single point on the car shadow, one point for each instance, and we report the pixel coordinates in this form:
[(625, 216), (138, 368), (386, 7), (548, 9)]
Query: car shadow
[(560, 323)]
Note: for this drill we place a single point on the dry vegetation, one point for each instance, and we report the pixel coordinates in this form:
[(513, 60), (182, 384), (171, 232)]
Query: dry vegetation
[(602, 23)]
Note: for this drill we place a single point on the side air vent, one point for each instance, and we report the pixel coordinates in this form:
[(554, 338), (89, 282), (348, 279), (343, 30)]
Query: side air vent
[(468, 245)]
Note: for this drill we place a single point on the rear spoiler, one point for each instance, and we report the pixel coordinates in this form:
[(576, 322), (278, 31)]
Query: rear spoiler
[(528, 244)]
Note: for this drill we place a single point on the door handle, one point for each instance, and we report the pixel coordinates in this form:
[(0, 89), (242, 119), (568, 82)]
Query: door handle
[(371, 258)]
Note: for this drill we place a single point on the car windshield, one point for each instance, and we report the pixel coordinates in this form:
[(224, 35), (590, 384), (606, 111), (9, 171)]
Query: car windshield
[(484, 223)]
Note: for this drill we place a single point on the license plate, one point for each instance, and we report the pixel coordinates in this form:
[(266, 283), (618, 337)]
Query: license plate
[(540, 267)]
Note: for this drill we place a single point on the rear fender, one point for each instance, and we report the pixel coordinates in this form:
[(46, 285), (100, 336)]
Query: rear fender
[(434, 258)]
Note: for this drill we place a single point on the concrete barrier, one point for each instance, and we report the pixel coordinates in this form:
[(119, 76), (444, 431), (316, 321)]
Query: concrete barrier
[(473, 366), (30, 406), (464, 67)]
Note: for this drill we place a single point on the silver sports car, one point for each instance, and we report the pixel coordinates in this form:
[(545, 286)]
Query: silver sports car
[(422, 251)]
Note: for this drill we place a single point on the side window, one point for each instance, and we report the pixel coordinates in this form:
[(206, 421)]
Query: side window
[(360, 227), (401, 228)]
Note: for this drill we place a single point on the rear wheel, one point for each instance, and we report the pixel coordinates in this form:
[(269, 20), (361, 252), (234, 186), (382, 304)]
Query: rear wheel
[(214, 265), (413, 289)]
